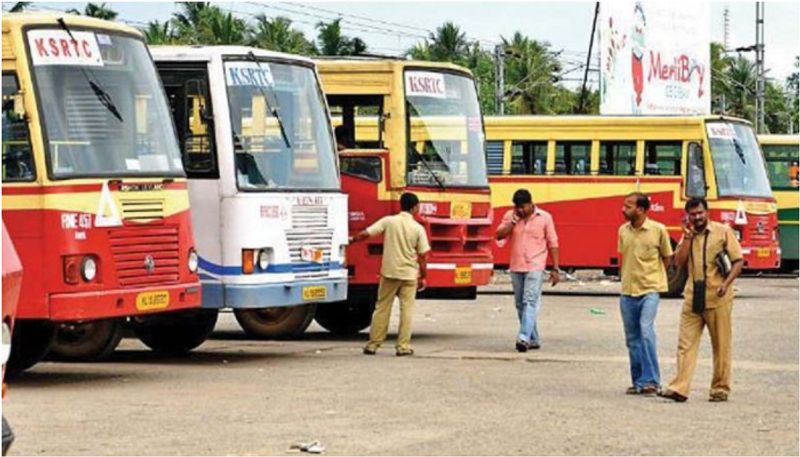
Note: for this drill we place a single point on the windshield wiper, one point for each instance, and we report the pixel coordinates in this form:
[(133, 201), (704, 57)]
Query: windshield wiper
[(271, 107), (739, 151), (428, 167), (99, 92)]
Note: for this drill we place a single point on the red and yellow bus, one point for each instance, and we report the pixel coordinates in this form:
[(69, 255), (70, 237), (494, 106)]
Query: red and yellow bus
[(410, 126), (94, 194), (579, 168), (12, 280)]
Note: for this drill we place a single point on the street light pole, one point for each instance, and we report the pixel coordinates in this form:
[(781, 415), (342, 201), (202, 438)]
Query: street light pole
[(760, 67)]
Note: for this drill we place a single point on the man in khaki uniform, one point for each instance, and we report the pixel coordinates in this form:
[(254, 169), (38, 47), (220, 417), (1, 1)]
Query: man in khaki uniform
[(403, 272), (716, 237), (646, 250)]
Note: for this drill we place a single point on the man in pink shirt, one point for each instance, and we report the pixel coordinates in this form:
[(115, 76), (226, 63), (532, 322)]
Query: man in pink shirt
[(532, 234)]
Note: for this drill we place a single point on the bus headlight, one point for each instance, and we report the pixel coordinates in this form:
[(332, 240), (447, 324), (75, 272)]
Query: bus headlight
[(88, 269), (6, 346), (263, 259), (193, 261)]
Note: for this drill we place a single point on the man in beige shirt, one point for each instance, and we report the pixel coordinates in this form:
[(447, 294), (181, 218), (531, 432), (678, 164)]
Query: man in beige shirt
[(646, 251), (700, 235), (403, 272)]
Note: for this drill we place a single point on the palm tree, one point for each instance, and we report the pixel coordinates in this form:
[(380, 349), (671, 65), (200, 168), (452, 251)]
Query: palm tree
[(741, 81), (331, 41), (448, 43), (159, 33), (100, 11), (531, 74), (719, 85), (19, 7), (222, 28), (188, 20), (277, 34)]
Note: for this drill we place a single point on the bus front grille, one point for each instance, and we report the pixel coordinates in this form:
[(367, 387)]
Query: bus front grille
[(309, 217), (142, 210), (146, 255), (310, 238)]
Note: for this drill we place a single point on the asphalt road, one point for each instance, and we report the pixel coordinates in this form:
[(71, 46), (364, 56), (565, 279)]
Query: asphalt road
[(465, 391)]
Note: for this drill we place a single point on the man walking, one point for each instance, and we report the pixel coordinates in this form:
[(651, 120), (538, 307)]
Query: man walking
[(403, 272), (532, 234), (708, 250), (645, 249)]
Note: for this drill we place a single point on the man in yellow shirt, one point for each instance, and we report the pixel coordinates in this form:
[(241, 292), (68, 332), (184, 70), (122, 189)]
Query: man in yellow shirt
[(702, 242), (403, 272), (646, 250)]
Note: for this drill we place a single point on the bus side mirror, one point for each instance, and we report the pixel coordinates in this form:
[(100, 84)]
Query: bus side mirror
[(695, 172)]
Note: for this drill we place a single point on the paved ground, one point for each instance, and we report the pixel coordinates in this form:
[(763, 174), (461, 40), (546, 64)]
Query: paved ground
[(465, 392)]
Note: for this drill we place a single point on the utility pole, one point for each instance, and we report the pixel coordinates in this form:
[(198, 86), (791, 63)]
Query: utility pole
[(726, 15), (760, 67), (499, 78), (588, 59)]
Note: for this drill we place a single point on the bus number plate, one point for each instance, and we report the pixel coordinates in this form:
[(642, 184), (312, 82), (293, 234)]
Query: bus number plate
[(148, 301), (461, 210), (463, 275), (762, 252), (314, 293)]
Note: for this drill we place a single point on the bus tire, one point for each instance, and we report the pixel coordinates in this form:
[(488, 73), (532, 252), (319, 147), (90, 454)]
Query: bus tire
[(676, 281), (29, 344), (86, 341), (175, 333), (345, 318), (276, 323)]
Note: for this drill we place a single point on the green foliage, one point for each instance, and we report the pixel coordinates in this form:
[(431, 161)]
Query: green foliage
[(332, 42)]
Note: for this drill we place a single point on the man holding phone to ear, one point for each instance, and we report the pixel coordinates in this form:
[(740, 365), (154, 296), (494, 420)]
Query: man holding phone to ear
[(532, 234), (713, 258)]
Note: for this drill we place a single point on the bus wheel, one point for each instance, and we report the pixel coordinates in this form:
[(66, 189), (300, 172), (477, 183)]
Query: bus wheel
[(676, 278), (175, 333), (345, 318), (29, 344), (282, 322), (86, 341)]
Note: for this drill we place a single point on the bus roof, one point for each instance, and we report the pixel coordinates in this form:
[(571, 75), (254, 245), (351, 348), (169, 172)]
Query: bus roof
[(17, 20), (207, 53), (577, 120), (372, 64), (779, 139)]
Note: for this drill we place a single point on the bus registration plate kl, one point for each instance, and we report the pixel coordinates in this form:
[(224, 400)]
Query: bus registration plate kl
[(461, 210), (315, 293), (463, 275), (762, 252), (148, 301)]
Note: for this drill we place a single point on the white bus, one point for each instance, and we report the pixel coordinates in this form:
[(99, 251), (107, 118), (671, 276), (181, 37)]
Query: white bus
[(269, 216)]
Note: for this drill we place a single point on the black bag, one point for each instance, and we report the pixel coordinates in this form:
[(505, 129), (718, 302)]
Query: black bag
[(723, 261), (699, 286)]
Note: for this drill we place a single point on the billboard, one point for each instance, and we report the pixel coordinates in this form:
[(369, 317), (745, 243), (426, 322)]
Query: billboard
[(654, 58)]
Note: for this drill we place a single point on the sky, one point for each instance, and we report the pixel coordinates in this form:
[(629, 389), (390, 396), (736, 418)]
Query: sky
[(393, 27)]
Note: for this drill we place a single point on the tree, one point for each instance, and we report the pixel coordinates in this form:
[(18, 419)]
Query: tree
[(448, 44), (740, 78), (222, 28), (277, 34), (719, 86), (793, 89), (532, 71), (159, 33), (19, 7), (331, 41), (100, 11)]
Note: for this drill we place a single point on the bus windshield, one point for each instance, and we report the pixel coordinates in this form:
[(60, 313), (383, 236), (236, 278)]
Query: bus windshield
[(103, 110), (281, 135), (738, 165), (444, 131)]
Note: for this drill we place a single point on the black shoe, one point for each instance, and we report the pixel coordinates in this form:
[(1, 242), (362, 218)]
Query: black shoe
[(674, 396), (522, 346), (534, 345), (404, 353), (368, 351)]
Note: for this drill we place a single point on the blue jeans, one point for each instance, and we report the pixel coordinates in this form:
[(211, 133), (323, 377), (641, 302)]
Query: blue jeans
[(528, 297), (638, 317)]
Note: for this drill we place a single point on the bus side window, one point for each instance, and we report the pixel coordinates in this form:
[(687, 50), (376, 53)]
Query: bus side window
[(17, 154), (782, 165), (358, 121), (368, 168), (494, 158), (187, 92), (618, 158), (662, 158), (528, 157), (695, 172), (572, 157)]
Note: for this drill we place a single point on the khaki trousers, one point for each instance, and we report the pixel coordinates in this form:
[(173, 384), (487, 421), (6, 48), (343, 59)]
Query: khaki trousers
[(389, 288), (718, 321)]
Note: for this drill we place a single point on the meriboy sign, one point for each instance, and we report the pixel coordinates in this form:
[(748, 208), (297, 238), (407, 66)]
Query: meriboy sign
[(654, 58)]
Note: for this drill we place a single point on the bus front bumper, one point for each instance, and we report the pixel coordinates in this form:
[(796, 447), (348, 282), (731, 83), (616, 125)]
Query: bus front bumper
[(270, 295), (124, 302), (455, 275), (761, 257)]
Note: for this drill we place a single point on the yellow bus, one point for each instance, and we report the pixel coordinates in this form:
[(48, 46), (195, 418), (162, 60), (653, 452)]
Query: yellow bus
[(782, 153), (374, 104), (579, 168)]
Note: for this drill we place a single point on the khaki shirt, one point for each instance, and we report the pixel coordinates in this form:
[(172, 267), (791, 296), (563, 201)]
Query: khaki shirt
[(642, 251), (403, 240), (720, 237)]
